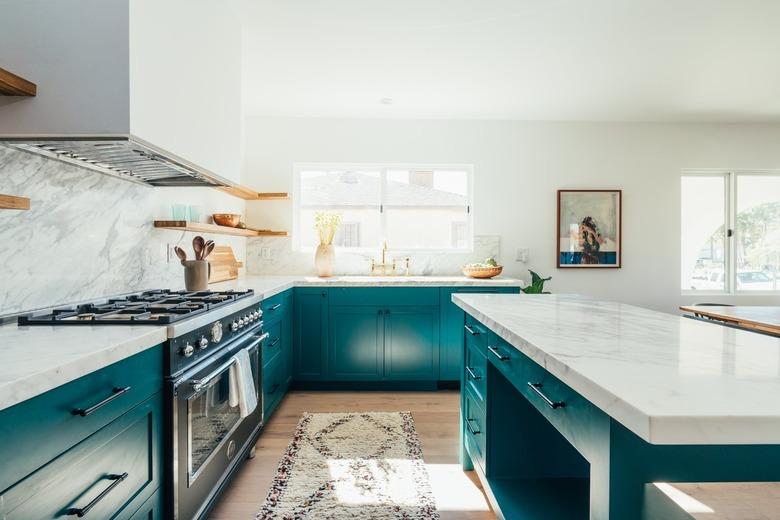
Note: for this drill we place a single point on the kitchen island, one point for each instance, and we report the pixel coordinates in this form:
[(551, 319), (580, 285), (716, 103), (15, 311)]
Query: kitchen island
[(574, 408)]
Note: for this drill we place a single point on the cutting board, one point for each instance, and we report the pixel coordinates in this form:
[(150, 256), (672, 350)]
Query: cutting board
[(224, 265)]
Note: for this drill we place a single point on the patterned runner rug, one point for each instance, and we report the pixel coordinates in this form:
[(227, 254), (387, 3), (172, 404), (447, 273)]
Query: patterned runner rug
[(352, 465)]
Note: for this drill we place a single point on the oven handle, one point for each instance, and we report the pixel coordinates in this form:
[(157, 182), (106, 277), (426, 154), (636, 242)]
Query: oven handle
[(199, 384)]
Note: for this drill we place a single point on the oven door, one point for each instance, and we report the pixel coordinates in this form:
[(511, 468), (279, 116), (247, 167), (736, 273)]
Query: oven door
[(208, 431)]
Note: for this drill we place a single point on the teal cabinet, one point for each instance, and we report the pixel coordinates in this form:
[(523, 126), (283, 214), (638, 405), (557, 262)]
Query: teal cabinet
[(27, 440), (152, 509), (111, 473), (452, 320), (355, 350), (411, 343), (310, 334), (277, 350)]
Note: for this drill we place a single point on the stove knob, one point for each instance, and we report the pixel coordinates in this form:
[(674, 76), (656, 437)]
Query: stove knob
[(234, 326), (203, 342), (240, 322), (259, 312), (256, 315), (187, 350), (249, 318)]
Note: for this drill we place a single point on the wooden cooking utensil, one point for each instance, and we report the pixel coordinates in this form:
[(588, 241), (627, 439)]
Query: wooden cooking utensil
[(209, 248), (197, 245), (180, 253)]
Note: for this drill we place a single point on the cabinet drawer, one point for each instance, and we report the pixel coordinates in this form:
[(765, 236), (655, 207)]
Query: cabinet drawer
[(474, 428), (34, 432), (476, 335), (274, 381), (108, 473), (570, 413), (151, 509), (475, 372), (272, 345), (384, 296), (274, 307)]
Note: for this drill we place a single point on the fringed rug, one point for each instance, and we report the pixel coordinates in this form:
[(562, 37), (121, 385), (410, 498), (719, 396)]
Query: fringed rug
[(352, 465)]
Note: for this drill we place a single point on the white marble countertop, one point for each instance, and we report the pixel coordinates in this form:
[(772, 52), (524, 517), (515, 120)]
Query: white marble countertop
[(36, 359), (668, 379)]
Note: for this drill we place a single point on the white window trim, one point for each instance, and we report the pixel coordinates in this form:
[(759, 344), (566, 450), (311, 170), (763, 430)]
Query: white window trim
[(730, 212), (299, 167)]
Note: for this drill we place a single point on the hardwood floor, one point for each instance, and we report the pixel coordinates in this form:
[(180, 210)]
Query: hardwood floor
[(436, 419)]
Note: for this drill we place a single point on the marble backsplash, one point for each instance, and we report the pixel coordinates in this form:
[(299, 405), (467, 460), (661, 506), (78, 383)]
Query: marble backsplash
[(88, 235), (274, 256)]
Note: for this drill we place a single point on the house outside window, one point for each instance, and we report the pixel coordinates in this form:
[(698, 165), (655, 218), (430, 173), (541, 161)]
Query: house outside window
[(412, 207)]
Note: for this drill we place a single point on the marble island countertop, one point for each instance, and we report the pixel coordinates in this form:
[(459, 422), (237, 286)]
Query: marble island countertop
[(668, 379), (35, 359)]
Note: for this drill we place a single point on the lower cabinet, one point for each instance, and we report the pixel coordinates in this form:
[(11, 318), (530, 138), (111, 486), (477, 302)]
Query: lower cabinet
[(371, 343), (152, 509), (310, 334), (110, 474), (411, 341), (277, 351), (452, 319)]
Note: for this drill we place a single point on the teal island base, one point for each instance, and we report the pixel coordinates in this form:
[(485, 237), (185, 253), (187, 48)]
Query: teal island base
[(542, 451)]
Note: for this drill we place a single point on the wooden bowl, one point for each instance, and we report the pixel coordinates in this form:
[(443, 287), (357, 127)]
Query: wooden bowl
[(482, 272), (226, 219)]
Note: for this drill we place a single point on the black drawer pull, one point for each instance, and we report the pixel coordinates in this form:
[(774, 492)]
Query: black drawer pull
[(273, 389), (471, 331), (470, 428), (498, 354), (471, 374), (116, 393), (537, 388), (80, 512), (273, 343), (274, 307)]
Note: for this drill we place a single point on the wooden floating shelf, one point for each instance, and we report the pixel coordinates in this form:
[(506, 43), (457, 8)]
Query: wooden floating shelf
[(198, 227), (247, 194), (13, 202), (13, 85)]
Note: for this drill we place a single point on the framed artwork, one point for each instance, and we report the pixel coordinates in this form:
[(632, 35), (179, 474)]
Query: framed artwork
[(589, 228)]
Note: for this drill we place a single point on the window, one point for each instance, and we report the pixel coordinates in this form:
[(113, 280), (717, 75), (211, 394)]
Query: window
[(418, 207), (730, 231)]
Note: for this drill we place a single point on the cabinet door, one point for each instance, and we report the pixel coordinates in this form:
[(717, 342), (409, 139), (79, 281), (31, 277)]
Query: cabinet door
[(355, 344), (411, 343), (452, 321), (287, 341), (310, 334)]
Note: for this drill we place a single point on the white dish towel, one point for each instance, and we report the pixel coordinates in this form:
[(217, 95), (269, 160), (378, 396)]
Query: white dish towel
[(242, 384)]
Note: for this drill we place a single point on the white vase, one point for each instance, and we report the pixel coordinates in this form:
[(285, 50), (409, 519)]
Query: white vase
[(325, 260)]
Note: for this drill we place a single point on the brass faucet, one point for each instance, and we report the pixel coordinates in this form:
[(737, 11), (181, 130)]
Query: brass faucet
[(384, 265)]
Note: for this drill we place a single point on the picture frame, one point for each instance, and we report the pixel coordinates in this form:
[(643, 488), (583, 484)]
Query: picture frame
[(589, 229)]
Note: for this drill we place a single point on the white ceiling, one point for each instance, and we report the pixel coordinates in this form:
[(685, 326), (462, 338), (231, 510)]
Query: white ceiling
[(600, 60)]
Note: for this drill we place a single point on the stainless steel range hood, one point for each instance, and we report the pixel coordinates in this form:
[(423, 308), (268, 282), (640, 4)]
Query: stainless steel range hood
[(125, 157)]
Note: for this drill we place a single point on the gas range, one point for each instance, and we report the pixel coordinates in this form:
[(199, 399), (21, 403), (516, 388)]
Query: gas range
[(158, 307)]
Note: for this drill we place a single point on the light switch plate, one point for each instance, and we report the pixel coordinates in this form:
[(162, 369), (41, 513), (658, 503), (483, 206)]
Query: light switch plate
[(522, 254)]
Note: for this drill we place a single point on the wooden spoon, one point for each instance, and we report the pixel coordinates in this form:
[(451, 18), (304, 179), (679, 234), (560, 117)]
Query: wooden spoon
[(180, 253), (197, 245)]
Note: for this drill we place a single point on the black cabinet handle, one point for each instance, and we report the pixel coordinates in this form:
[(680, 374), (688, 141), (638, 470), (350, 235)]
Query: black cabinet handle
[(80, 512), (273, 389), (117, 392), (537, 388), (471, 331), (274, 342), (274, 307), (470, 428), (498, 354), (471, 374)]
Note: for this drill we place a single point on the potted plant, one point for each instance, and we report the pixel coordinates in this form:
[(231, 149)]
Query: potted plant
[(537, 284), (326, 223)]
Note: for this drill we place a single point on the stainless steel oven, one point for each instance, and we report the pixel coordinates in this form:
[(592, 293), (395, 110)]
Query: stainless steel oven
[(209, 435)]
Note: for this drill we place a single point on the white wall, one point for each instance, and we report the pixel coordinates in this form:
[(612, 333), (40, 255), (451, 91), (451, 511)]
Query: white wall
[(518, 166)]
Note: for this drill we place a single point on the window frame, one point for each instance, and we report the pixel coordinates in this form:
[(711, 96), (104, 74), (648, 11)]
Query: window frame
[(730, 197), (383, 168)]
